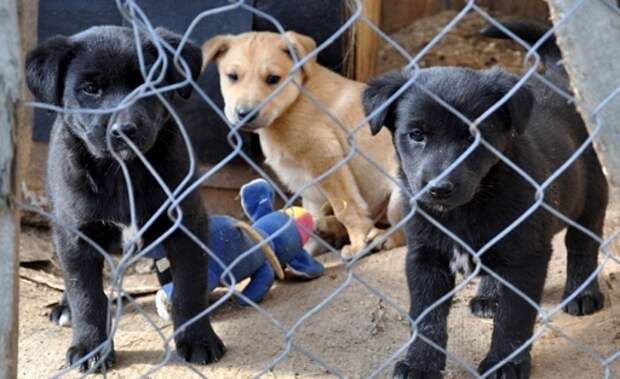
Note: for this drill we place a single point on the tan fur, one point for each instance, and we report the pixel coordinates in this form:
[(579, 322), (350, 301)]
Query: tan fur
[(301, 142)]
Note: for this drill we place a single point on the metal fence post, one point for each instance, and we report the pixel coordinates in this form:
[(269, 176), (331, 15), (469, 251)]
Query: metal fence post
[(9, 224), (589, 42)]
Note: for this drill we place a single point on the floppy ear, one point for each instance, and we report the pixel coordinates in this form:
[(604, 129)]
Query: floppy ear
[(190, 53), (376, 94), (303, 45), (46, 67), (516, 111), (215, 47), (520, 107)]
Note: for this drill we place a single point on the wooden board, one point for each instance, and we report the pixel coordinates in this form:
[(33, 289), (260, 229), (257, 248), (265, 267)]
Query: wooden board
[(9, 222)]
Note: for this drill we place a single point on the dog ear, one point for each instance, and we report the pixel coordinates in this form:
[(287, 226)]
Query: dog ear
[(376, 94), (190, 53), (303, 45), (46, 67), (516, 111), (215, 47), (520, 107)]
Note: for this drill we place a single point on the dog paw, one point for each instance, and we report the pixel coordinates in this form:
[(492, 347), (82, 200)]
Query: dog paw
[(201, 351), (483, 307), (348, 252), (60, 315), (404, 371), (394, 241), (379, 236), (374, 234), (98, 362), (386, 242), (585, 303), (510, 370)]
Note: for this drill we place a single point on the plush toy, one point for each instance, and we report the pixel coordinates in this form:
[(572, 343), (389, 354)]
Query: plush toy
[(230, 238)]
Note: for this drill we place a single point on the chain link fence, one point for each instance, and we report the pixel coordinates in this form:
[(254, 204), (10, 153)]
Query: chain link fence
[(120, 300)]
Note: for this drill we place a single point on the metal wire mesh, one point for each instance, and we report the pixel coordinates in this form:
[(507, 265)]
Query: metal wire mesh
[(132, 251)]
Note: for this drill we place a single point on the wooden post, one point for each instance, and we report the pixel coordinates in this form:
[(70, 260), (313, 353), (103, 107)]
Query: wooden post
[(10, 81), (367, 42), (589, 43), (362, 43)]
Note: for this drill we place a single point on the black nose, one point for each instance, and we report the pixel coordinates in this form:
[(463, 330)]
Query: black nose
[(243, 112), (442, 190), (128, 129)]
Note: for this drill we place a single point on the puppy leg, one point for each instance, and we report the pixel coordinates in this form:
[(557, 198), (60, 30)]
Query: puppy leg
[(349, 207), (313, 245), (394, 214), (515, 317), (197, 343), (484, 304), (397, 237), (582, 262), (82, 265), (429, 278)]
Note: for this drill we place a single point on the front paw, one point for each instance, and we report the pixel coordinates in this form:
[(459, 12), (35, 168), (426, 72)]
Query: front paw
[(395, 240), (200, 350), (350, 251), (98, 362), (385, 241), (585, 304), (510, 370), (60, 315), (483, 307), (404, 371), (377, 237)]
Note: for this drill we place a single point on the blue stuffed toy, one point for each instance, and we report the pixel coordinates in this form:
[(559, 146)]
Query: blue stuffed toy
[(230, 238)]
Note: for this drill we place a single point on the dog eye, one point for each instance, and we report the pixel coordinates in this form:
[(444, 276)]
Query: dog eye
[(91, 90), (272, 79), (233, 77), (416, 135)]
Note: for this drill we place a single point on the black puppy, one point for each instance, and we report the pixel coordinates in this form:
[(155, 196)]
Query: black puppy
[(538, 131), (96, 69)]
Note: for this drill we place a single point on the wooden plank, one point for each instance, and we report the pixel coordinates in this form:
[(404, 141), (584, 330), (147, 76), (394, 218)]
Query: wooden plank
[(10, 77), (32, 157), (367, 42)]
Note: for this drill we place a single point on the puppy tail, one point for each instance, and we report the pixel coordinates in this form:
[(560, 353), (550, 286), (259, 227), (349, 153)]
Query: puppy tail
[(530, 32)]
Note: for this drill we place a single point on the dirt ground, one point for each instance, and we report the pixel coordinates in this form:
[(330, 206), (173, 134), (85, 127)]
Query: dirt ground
[(355, 332), (461, 46)]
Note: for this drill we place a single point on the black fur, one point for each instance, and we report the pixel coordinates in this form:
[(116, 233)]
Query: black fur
[(96, 69), (482, 196), (531, 32)]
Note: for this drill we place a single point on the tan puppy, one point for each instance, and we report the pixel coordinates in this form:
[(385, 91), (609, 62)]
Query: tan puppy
[(299, 141)]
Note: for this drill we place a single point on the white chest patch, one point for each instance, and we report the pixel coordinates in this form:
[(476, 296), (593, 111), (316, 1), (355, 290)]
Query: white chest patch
[(128, 234), (460, 262)]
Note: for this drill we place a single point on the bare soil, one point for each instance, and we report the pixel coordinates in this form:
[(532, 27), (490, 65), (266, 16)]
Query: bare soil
[(461, 46), (356, 331)]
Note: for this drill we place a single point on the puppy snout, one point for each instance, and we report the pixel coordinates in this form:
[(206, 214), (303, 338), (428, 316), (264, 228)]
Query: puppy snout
[(243, 112), (128, 129), (442, 190)]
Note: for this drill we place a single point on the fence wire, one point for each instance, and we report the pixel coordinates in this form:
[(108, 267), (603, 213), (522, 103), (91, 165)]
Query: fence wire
[(120, 300)]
